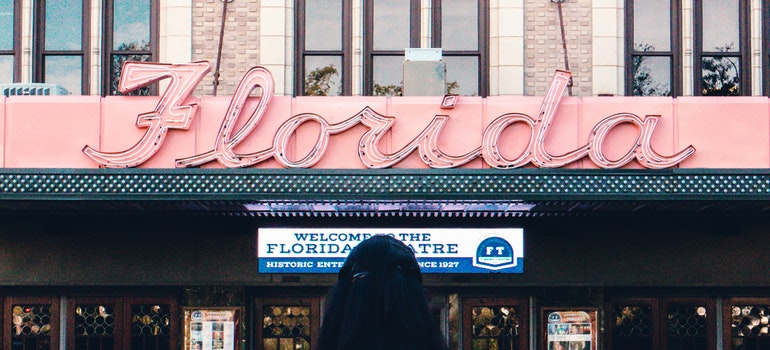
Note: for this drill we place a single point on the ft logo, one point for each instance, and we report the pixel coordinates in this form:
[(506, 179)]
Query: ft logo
[(494, 253), (554, 317)]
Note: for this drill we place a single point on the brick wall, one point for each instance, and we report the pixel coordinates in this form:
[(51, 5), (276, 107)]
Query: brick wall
[(240, 49), (543, 45)]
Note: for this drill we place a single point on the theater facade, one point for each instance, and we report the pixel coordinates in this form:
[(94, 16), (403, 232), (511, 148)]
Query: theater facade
[(183, 222)]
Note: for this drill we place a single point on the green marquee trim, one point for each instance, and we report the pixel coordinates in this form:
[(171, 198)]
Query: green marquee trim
[(387, 184)]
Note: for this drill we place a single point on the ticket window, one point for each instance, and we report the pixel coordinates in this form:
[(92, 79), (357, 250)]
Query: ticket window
[(287, 323)]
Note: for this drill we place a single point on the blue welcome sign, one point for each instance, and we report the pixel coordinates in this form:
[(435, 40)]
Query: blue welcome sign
[(459, 250)]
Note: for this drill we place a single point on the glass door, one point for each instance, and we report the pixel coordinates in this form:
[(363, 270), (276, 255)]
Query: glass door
[(746, 323), (662, 323), (495, 324), (117, 323), (33, 323), (287, 323), (94, 324)]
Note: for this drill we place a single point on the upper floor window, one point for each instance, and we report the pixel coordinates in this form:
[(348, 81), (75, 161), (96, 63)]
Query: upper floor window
[(8, 40), (61, 54), (721, 48), (653, 65), (324, 45), (460, 30), (391, 26), (323, 51), (129, 35)]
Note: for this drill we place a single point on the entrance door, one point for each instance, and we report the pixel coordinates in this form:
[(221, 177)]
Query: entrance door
[(33, 323), (746, 323), (495, 324), (287, 323), (118, 323), (94, 323), (665, 323)]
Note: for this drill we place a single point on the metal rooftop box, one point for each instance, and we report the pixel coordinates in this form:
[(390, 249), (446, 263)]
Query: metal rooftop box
[(32, 89)]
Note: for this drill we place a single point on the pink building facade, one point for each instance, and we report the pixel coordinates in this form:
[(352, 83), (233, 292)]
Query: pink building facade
[(164, 205), (177, 130)]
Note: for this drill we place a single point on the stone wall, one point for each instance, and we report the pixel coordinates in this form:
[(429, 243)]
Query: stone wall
[(240, 49), (543, 51)]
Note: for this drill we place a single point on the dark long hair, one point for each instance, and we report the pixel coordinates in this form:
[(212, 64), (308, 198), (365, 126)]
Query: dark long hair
[(378, 302)]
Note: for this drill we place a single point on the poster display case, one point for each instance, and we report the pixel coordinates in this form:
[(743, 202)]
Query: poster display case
[(570, 329), (212, 328)]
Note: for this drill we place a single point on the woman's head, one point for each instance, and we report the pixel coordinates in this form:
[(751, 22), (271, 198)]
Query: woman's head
[(378, 301), (380, 256)]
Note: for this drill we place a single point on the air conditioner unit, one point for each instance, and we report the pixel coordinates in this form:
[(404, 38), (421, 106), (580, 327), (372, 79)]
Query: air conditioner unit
[(424, 72), (31, 89)]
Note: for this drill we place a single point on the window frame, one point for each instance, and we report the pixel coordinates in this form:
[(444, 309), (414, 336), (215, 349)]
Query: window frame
[(108, 40), (16, 40), (370, 53), (40, 52), (674, 53), (300, 52), (744, 48), (482, 52)]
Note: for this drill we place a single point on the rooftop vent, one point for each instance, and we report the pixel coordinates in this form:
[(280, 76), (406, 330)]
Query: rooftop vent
[(31, 89)]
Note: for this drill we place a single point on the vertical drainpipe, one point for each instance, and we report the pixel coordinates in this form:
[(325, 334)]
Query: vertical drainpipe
[(564, 42), (221, 40)]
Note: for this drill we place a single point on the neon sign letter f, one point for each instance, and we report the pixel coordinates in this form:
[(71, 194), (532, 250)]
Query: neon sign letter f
[(172, 111)]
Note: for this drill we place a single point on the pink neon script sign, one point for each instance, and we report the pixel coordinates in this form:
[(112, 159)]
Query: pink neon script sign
[(174, 111)]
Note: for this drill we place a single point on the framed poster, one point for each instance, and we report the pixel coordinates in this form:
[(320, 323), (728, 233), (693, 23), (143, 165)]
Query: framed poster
[(570, 329), (212, 328)]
